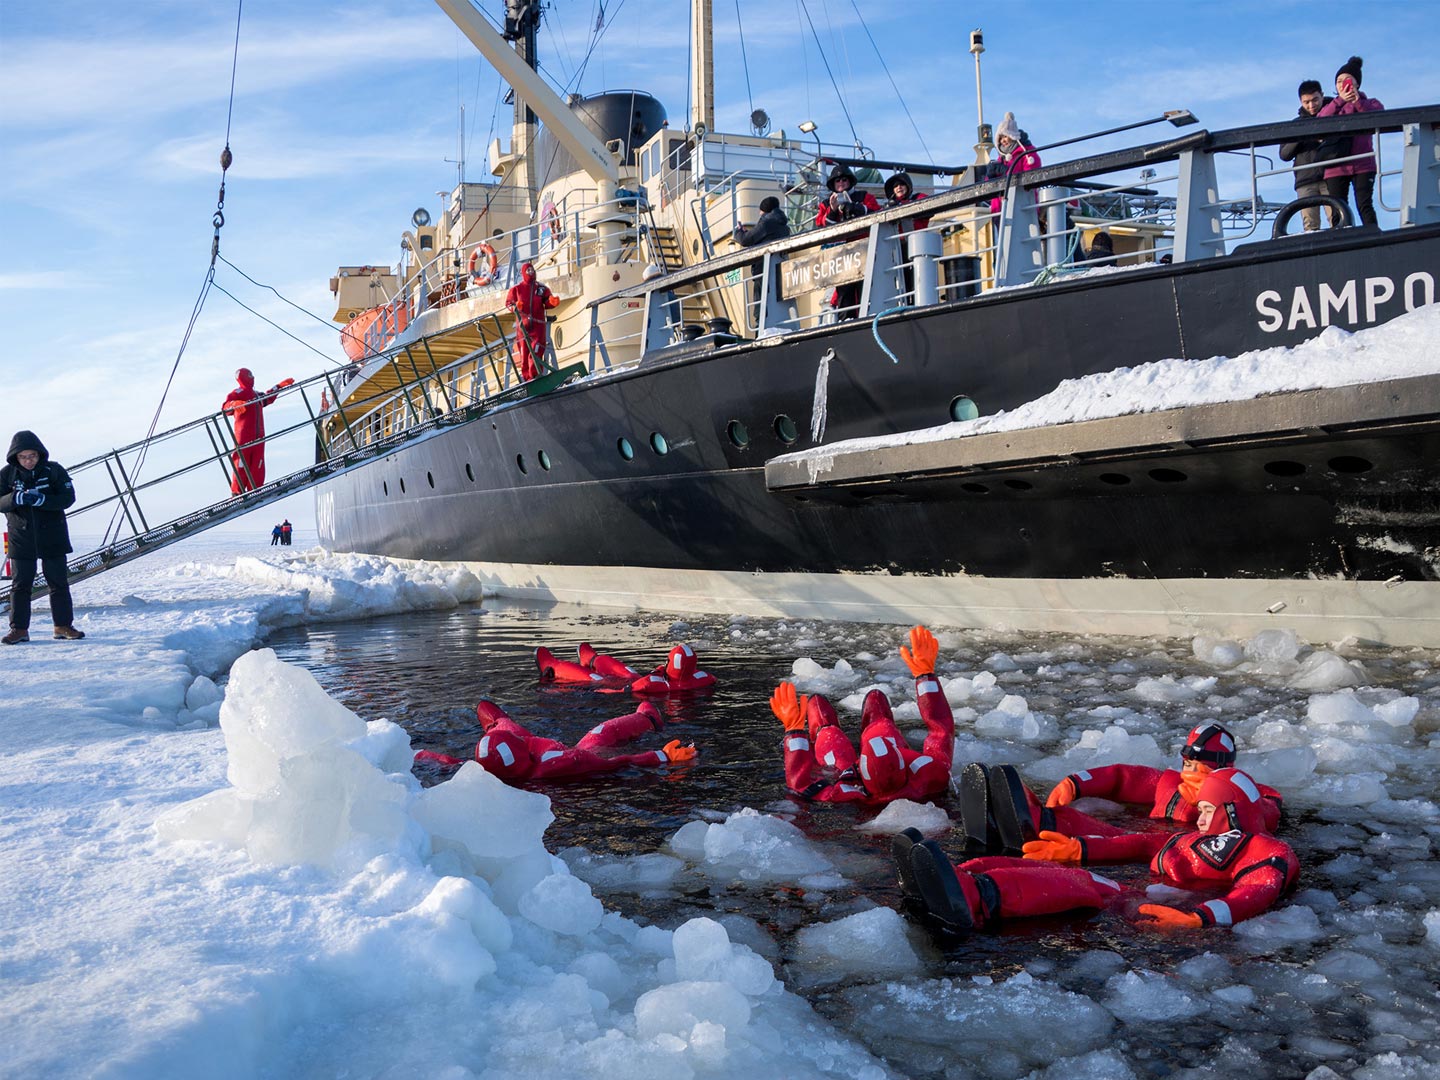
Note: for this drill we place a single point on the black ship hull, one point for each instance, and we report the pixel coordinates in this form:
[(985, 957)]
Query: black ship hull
[(539, 497)]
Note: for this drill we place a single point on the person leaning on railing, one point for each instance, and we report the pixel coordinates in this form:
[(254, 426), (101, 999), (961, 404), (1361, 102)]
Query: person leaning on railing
[(1360, 173), (845, 204), (34, 495), (1313, 152)]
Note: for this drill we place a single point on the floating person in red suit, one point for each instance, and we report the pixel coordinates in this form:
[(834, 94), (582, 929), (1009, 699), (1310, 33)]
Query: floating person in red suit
[(1173, 794), (680, 674), (514, 754), (1228, 849), (528, 300), (594, 668), (885, 768), (246, 407)]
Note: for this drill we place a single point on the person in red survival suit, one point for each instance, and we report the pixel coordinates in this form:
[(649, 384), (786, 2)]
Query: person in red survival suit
[(512, 753), (528, 300), (1228, 848), (680, 674), (885, 769), (593, 669), (246, 407), (1173, 794)]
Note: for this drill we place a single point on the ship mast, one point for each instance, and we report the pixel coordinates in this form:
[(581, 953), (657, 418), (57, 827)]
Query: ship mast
[(522, 25), (702, 64)]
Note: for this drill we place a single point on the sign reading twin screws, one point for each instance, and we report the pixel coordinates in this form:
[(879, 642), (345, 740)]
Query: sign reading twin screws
[(823, 269)]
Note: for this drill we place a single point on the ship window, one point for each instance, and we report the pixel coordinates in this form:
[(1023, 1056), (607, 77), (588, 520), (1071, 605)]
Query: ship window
[(627, 451), (1019, 485), (975, 489), (1114, 478), (1284, 468), (430, 479), (544, 460), (786, 429), (385, 486), (520, 461), (658, 443), (1348, 464), (1168, 476), (559, 336), (402, 485), (739, 434), (427, 242), (469, 472), (962, 408)]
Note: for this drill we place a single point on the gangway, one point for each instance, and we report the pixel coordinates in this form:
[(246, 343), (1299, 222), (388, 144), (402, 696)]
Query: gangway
[(414, 405)]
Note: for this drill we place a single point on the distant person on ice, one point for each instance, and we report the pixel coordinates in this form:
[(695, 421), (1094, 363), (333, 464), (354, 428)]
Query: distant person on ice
[(1228, 849), (286, 531), (528, 301), (246, 408), (885, 768), (275, 536), (515, 755), (34, 494)]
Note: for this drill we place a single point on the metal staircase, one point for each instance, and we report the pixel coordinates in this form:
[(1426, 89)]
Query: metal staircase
[(415, 404)]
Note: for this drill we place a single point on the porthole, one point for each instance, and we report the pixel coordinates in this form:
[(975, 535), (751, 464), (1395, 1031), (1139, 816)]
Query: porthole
[(1347, 464), (559, 336), (962, 408), (695, 246), (785, 428), (658, 443), (1284, 468), (1019, 485), (627, 451), (385, 486), (469, 473), (975, 489), (544, 460), (402, 485), (520, 461), (1114, 479), (1168, 476), (738, 433), (430, 479)]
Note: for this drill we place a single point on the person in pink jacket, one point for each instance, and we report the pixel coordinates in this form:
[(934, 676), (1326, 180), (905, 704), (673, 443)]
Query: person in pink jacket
[(1015, 154), (1359, 173)]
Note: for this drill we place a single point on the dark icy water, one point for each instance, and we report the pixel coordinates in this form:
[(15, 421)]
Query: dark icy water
[(426, 671)]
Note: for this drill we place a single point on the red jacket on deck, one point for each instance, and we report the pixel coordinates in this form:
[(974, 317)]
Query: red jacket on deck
[(246, 408), (886, 768), (529, 300)]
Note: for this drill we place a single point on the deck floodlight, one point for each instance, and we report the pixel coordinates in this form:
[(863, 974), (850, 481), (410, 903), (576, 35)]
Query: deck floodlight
[(420, 218), (808, 127), (1180, 117)]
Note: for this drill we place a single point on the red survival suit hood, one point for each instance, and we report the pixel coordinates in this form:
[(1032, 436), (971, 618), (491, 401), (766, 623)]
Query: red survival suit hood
[(1237, 802), (504, 754)]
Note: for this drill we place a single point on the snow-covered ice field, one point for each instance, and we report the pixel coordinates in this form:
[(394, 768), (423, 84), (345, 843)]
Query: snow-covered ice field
[(248, 881)]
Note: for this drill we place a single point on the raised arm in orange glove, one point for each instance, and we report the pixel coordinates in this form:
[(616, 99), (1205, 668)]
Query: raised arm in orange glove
[(675, 751), (920, 657), (1062, 794), (1159, 915), (788, 707), (1054, 847)]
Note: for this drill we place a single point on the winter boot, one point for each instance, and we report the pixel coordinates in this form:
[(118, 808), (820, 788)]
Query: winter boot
[(68, 633), (16, 636), (975, 817), (1011, 809), (900, 845), (939, 889)]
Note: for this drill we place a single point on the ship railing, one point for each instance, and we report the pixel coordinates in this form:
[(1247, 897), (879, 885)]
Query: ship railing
[(1215, 188)]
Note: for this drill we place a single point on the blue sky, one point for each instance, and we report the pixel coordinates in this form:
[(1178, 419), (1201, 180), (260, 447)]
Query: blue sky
[(112, 118)]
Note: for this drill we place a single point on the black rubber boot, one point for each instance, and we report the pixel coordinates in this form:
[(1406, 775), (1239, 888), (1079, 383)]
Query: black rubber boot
[(937, 888), (900, 845), (1011, 809), (975, 817)]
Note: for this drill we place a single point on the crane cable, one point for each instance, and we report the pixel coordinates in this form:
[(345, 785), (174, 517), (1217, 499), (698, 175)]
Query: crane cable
[(217, 221), (826, 61)]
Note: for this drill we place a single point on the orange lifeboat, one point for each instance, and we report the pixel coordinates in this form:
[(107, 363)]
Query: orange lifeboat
[(392, 319)]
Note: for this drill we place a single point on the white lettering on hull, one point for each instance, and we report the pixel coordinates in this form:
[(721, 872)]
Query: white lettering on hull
[(1316, 307)]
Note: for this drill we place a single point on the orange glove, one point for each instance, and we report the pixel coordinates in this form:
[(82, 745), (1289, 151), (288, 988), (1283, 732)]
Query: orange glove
[(283, 383), (920, 657), (788, 707), (675, 752), (1054, 847), (1158, 915), (1062, 794)]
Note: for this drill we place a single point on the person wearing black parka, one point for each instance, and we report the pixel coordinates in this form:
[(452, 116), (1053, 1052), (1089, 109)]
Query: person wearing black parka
[(34, 495)]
